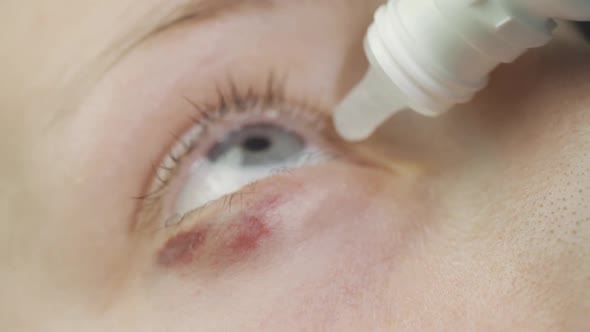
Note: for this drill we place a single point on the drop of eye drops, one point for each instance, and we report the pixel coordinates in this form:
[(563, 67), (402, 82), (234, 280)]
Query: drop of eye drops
[(367, 107)]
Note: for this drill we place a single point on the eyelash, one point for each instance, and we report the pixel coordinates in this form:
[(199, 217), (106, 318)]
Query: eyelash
[(228, 102)]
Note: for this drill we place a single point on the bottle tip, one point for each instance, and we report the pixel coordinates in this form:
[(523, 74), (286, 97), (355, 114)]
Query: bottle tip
[(349, 123), (362, 112), (368, 106)]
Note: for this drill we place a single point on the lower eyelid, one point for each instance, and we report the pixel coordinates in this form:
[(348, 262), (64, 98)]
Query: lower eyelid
[(202, 237)]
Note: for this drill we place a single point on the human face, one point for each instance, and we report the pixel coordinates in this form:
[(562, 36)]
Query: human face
[(478, 220)]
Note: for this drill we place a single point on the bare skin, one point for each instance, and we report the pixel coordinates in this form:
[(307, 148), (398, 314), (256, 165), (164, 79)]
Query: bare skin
[(475, 221)]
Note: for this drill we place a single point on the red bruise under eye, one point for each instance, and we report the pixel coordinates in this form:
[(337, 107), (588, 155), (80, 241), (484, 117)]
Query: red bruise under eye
[(182, 249), (233, 242), (222, 244), (249, 234)]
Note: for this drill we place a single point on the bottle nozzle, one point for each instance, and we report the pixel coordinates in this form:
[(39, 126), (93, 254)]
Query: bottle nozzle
[(367, 107)]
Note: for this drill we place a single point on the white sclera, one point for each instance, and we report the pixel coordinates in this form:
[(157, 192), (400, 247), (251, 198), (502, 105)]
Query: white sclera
[(234, 163)]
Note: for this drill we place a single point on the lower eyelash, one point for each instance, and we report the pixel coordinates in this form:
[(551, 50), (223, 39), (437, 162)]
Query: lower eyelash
[(271, 103)]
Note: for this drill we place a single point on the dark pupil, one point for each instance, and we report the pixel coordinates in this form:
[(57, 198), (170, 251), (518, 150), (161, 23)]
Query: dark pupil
[(257, 144)]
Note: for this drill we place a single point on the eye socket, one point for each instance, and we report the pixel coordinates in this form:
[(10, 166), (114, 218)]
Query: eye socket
[(242, 138), (243, 156)]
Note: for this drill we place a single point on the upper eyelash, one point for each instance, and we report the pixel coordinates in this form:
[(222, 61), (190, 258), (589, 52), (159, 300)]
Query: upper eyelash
[(231, 99)]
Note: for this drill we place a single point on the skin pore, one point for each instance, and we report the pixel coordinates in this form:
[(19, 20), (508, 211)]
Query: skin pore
[(478, 220)]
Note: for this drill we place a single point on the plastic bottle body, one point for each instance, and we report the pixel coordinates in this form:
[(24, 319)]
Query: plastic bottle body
[(438, 53)]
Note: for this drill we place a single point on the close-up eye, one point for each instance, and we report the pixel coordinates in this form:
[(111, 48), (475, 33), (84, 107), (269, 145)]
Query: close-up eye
[(235, 142), (242, 156)]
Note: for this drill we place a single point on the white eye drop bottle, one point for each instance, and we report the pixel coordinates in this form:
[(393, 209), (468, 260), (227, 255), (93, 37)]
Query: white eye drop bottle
[(429, 55)]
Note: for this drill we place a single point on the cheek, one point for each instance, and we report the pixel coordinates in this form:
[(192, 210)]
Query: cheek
[(322, 252)]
